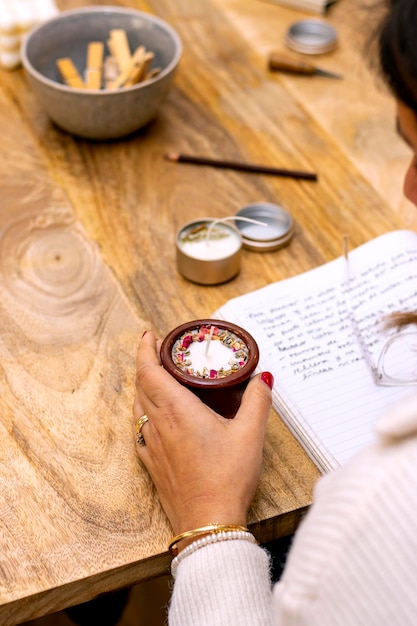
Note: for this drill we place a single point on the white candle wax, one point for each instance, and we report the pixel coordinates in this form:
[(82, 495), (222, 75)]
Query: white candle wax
[(222, 243), (217, 357), (209, 352)]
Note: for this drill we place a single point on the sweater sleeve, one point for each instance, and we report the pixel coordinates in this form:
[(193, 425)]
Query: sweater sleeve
[(237, 571), (353, 561)]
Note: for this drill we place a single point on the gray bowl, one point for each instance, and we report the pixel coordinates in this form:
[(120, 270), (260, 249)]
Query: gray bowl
[(99, 114)]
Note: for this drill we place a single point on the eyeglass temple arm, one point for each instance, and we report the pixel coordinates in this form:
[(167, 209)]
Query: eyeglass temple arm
[(364, 348)]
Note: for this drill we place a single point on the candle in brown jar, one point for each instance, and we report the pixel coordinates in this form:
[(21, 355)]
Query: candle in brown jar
[(214, 359)]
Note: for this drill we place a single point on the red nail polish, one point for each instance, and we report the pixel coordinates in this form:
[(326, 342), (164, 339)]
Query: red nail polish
[(268, 379)]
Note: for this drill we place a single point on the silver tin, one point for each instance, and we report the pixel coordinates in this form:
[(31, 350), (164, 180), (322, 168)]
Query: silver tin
[(212, 271), (277, 232), (311, 36)]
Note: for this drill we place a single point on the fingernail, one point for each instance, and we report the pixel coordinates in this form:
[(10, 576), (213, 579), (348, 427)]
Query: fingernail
[(268, 379), (144, 333)]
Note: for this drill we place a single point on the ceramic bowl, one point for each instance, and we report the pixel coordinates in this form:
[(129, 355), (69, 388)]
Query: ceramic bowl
[(99, 114)]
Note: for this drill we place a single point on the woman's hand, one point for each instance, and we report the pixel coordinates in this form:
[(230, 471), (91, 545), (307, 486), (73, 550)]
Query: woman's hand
[(205, 467)]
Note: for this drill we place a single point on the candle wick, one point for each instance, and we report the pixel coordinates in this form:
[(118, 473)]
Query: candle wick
[(230, 218), (210, 337)]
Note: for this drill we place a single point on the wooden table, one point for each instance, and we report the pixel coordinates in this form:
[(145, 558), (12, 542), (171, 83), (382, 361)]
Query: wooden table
[(87, 262)]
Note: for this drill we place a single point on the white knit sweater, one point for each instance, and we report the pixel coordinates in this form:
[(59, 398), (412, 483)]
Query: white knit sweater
[(353, 561)]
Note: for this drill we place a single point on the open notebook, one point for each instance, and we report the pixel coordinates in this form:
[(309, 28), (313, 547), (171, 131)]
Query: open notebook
[(324, 389)]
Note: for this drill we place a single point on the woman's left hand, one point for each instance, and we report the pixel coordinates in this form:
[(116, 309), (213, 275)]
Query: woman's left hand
[(205, 467)]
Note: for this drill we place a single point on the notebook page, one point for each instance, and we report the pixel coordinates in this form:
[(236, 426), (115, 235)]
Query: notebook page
[(324, 389)]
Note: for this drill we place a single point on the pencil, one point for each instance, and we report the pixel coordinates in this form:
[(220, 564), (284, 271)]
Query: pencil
[(244, 167)]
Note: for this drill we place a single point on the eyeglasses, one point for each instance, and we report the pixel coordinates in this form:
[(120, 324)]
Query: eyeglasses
[(396, 364)]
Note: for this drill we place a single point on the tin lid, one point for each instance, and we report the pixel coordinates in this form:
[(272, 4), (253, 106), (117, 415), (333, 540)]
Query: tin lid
[(277, 232), (311, 36)]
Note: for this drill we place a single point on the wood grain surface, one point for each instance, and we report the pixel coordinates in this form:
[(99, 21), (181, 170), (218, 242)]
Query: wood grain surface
[(87, 262), (357, 112)]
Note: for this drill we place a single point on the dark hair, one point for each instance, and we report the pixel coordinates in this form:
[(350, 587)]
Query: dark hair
[(396, 41)]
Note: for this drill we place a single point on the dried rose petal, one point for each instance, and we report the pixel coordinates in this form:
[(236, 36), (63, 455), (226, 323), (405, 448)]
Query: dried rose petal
[(187, 341)]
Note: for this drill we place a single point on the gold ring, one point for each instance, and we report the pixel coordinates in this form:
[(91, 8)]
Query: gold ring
[(139, 425)]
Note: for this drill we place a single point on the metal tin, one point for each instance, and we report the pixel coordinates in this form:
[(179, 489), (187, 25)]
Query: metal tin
[(311, 36), (277, 233), (211, 271)]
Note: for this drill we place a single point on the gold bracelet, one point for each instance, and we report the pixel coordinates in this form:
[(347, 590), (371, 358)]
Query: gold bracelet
[(204, 530)]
